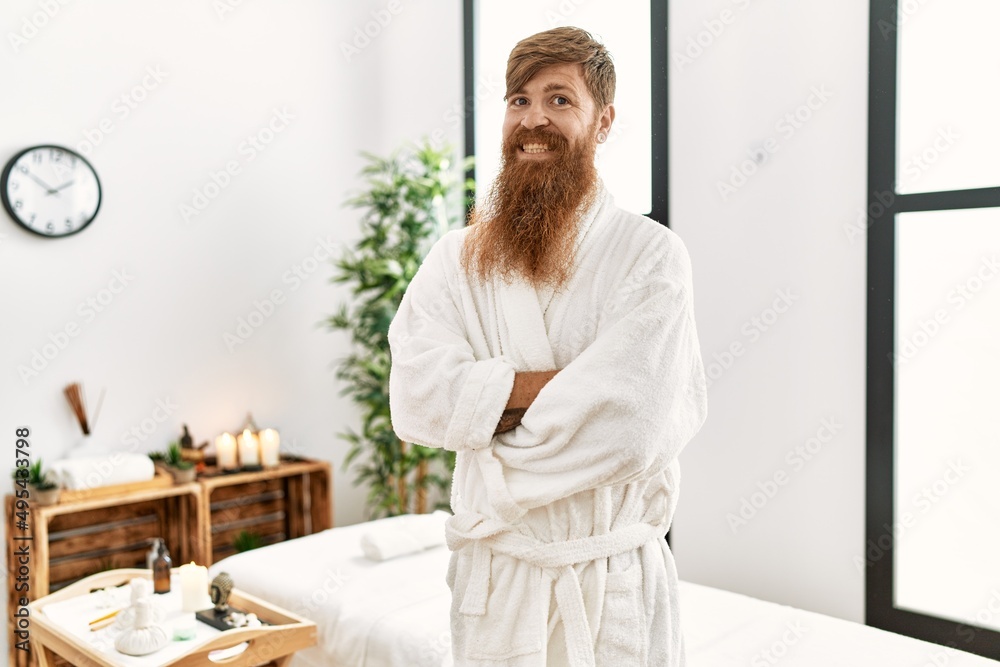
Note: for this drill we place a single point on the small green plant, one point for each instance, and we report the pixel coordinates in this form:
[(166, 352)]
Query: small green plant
[(175, 459), (158, 457), (247, 540), (36, 476), (412, 198)]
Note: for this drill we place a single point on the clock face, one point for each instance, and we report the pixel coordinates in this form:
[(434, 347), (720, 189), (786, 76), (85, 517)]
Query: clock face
[(50, 190)]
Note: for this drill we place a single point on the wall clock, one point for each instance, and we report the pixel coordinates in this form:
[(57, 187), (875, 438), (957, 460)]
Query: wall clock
[(50, 190)]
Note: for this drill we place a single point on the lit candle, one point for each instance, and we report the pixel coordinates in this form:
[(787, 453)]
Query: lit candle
[(249, 449), (194, 587), (269, 441), (225, 451)]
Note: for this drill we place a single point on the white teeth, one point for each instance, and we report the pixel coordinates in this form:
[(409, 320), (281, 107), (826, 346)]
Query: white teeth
[(535, 148)]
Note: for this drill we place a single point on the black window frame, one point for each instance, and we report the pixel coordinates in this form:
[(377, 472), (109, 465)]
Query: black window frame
[(884, 203)]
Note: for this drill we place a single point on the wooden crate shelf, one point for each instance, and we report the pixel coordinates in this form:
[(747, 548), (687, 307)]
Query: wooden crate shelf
[(199, 521)]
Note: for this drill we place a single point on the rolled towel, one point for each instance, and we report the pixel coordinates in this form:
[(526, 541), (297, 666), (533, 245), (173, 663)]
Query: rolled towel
[(103, 470), (403, 535)]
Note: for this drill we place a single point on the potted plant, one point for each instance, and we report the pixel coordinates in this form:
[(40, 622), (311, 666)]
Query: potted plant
[(182, 470), (413, 197), (41, 489), (247, 540)]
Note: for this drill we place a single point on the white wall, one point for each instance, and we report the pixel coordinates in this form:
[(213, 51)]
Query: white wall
[(161, 338), (785, 230)]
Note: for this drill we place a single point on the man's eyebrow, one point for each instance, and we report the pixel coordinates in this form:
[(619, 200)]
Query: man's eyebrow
[(549, 87), (555, 86)]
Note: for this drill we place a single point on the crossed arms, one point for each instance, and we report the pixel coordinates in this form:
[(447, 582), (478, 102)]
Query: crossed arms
[(526, 387)]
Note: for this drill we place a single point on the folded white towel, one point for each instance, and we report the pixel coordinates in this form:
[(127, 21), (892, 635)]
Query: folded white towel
[(90, 472), (405, 534)]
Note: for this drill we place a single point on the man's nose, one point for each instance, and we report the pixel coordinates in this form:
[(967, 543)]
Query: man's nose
[(535, 117)]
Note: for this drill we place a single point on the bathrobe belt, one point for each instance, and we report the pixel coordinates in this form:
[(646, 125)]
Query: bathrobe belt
[(486, 536)]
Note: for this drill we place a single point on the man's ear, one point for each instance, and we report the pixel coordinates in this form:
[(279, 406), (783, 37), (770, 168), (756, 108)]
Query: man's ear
[(605, 120)]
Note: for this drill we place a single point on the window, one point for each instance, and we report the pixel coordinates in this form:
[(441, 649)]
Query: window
[(933, 504)]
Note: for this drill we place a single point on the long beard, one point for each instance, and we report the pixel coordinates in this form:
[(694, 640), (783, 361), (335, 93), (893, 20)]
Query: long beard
[(528, 222)]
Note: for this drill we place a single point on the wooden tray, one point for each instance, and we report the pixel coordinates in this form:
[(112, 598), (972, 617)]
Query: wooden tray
[(285, 634), (161, 480)]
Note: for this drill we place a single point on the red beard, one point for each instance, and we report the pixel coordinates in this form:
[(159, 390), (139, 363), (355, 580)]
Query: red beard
[(527, 225)]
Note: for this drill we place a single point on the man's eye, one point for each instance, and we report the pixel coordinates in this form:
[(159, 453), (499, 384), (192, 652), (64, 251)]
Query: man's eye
[(561, 101), (519, 101)]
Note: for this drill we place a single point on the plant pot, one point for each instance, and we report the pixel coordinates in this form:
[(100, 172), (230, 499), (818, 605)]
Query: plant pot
[(183, 475), (43, 497)]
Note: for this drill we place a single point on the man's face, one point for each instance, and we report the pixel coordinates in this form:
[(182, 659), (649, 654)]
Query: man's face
[(547, 174), (553, 112)]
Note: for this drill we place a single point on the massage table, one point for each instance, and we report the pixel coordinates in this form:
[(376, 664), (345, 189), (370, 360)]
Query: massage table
[(395, 613)]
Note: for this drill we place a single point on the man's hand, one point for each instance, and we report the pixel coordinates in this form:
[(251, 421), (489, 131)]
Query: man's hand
[(509, 419), (526, 388)]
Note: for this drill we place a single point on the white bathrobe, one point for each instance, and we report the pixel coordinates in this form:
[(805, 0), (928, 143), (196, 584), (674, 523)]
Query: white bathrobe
[(557, 534)]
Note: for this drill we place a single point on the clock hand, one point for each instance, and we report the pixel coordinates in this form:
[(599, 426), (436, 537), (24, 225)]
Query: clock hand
[(64, 185), (48, 188)]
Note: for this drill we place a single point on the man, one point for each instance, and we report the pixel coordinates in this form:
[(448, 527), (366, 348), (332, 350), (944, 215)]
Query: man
[(552, 344)]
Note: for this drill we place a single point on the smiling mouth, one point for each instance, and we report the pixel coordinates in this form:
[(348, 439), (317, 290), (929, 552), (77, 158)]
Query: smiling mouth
[(532, 149)]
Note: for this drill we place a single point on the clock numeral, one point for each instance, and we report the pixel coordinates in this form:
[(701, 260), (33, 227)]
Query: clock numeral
[(50, 227), (55, 154), (18, 204), (69, 224), (14, 185), (33, 216), (36, 157), (23, 168)]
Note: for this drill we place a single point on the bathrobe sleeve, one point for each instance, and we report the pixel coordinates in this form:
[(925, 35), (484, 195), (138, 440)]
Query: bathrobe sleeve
[(626, 406), (439, 394)]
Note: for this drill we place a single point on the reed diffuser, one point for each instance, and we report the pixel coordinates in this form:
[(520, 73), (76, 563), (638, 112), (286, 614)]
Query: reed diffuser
[(74, 394)]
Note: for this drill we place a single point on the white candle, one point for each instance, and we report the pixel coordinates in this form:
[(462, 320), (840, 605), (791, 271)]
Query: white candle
[(225, 451), (249, 449), (194, 587), (269, 441)]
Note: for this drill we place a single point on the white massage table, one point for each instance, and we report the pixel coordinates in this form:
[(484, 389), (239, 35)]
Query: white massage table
[(395, 614)]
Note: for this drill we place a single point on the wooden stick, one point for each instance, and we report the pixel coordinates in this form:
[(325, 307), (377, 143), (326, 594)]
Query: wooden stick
[(97, 409), (106, 617)]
